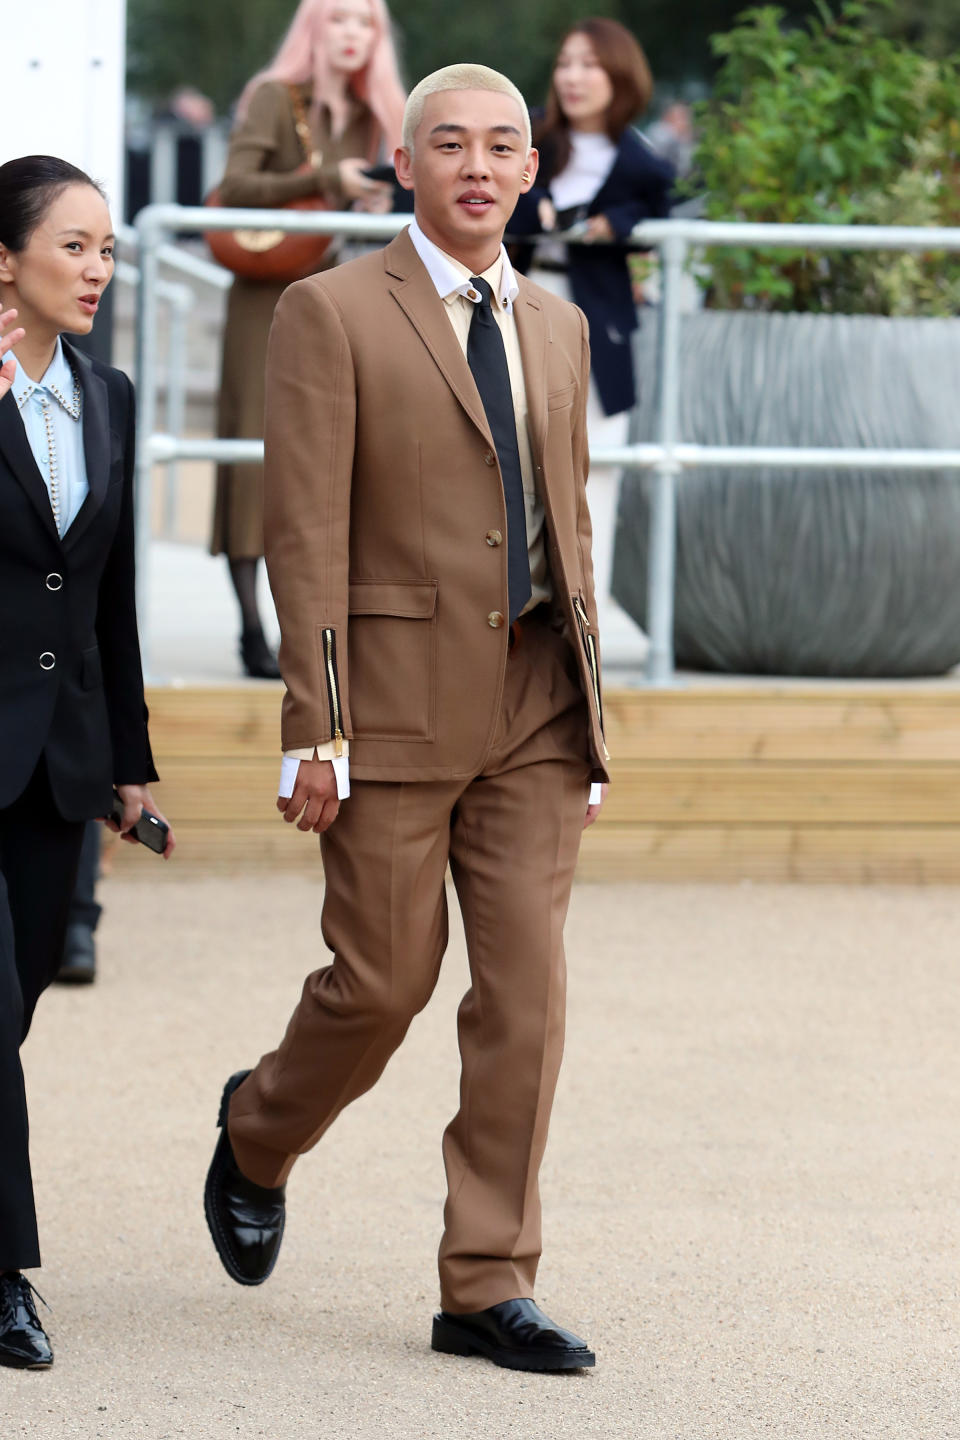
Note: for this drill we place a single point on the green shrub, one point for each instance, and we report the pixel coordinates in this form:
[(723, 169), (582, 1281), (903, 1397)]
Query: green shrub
[(832, 123)]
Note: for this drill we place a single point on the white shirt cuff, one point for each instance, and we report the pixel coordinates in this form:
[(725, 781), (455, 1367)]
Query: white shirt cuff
[(291, 764)]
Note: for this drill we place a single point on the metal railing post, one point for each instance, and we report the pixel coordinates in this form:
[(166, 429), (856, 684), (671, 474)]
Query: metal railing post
[(176, 407), (661, 567), (146, 381)]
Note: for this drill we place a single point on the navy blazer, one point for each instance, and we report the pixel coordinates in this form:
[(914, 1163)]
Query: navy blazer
[(637, 188), (71, 600)]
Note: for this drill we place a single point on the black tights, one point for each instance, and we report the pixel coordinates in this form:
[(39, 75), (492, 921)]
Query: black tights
[(243, 573)]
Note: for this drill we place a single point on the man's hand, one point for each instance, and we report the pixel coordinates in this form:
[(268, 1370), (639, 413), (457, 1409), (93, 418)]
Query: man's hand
[(315, 794), (594, 810), (135, 799)]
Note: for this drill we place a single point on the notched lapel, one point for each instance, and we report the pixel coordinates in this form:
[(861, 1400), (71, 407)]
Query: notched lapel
[(533, 336), (417, 297), (96, 443), (16, 450)]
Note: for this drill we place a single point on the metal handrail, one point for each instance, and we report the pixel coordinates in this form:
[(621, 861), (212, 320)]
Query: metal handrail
[(181, 260), (667, 458), (180, 300)]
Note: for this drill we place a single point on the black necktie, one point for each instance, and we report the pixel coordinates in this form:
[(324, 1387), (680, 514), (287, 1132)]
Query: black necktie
[(488, 361)]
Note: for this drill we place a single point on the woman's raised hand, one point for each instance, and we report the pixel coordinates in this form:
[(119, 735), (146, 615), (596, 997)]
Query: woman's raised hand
[(8, 338), (357, 185)]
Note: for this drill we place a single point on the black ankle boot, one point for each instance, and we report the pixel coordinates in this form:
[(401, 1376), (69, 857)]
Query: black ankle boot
[(258, 659)]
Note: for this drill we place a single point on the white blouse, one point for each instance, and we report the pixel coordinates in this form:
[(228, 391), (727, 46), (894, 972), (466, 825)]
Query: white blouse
[(591, 160)]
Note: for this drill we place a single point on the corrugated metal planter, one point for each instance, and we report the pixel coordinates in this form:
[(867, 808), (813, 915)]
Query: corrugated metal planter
[(808, 572)]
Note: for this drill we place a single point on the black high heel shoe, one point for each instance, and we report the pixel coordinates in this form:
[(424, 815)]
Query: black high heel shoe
[(259, 661)]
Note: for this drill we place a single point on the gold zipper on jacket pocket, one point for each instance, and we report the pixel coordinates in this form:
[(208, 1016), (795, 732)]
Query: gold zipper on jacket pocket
[(590, 647), (333, 688)]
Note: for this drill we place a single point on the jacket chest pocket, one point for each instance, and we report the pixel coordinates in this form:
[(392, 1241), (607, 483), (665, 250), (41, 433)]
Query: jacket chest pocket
[(392, 654), (560, 399)]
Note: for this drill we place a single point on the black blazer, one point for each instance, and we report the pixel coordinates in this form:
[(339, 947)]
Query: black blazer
[(637, 188), (72, 600)]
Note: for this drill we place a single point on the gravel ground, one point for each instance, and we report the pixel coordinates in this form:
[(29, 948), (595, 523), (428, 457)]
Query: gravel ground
[(750, 1192)]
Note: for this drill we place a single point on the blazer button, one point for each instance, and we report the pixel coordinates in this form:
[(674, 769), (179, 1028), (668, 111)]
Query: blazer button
[(493, 537), (495, 619), (48, 659), (489, 458), (54, 581)]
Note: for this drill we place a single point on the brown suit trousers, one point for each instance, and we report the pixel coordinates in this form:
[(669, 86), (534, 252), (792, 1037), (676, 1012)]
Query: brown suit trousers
[(510, 834)]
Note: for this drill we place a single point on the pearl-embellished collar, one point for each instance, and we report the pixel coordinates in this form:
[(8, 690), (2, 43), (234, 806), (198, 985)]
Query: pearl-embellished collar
[(59, 381)]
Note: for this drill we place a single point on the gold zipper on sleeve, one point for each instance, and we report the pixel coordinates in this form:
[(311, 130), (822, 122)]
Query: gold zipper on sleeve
[(595, 672), (590, 647), (333, 689)]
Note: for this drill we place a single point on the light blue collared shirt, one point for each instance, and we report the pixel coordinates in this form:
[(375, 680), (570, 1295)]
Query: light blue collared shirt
[(52, 414)]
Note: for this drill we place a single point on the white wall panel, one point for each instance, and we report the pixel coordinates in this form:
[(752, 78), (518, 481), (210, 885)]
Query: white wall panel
[(63, 86)]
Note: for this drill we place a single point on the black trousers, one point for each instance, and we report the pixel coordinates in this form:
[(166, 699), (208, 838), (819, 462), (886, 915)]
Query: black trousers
[(84, 909), (39, 855)]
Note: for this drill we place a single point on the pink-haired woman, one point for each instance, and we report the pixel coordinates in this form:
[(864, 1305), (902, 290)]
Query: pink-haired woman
[(339, 55)]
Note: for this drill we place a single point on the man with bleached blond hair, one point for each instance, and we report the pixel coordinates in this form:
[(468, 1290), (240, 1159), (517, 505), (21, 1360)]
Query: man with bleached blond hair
[(428, 544)]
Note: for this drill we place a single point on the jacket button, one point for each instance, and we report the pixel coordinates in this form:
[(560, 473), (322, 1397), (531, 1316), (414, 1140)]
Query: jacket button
[(495, 619), (48, 659), (489, 458), (493, 537), (54, 581)]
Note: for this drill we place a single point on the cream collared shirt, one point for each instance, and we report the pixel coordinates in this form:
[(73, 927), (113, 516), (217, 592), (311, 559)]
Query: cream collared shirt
[(452, 282)]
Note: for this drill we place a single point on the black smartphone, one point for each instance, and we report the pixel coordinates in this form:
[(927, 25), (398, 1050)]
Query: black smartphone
[(384, 173), (149, 829)]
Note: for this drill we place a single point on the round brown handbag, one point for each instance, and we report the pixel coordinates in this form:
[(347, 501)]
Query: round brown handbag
[(274, 254)]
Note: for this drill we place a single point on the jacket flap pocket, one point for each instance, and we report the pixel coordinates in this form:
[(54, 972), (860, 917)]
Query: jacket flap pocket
[(406, 599)]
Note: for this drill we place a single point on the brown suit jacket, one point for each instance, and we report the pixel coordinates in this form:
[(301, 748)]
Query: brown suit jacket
[(381, 483)]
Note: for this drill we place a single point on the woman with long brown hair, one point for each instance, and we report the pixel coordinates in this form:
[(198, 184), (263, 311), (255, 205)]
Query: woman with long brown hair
[(337, 68), (598, 178)]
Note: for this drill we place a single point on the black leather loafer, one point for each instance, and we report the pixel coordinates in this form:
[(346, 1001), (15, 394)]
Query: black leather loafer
[(515, 1334), (245, 1220), (23, 1341)]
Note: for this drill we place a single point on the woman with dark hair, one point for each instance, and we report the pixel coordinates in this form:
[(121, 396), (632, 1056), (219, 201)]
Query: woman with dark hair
[(334, 80), (598, 178), (73, 723)]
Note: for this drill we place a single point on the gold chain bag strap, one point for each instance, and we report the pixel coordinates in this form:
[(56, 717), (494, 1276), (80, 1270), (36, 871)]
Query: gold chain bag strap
[(273, 255)]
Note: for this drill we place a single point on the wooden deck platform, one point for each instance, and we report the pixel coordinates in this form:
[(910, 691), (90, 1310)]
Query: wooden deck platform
[(717, 780)]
